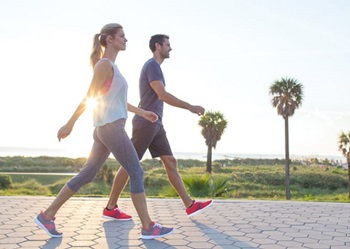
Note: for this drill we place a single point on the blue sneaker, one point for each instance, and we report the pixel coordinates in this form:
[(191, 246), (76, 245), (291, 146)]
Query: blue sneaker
[(156, 231), (47, 225)]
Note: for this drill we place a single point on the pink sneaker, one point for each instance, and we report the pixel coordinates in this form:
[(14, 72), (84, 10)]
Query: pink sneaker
[(197, 207), (115, 214)]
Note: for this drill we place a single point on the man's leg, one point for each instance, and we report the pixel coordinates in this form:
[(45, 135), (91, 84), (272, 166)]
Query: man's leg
[(174, 177), (192, 207), (160, 147), (119, 182)]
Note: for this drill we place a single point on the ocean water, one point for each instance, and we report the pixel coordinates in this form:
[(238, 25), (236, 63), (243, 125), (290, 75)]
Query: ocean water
[(34, 152)]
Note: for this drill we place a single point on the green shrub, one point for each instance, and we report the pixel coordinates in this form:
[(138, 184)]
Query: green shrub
[(31, 187), (56, 187), (216, 167), (188, 163), (95, 188), (5, 182), (319, 180), (198, 186), (105, 174), (41, 164), (219, 186), (149, 164), (270, 178), (248, 176), (168, 191), (150, 181)]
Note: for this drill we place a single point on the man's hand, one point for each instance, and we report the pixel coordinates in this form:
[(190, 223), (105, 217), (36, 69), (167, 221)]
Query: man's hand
[(197, 109)]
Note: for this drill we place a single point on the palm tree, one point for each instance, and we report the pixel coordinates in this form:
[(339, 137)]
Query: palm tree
[(344, 147), (213, 126), (287, 95)]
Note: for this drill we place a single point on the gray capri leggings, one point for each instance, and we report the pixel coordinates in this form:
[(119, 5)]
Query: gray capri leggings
[(111, 138)]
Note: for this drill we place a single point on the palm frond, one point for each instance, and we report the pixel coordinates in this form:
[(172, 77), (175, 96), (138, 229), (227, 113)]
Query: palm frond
[(344, 144), (287, 96), (198, 186)]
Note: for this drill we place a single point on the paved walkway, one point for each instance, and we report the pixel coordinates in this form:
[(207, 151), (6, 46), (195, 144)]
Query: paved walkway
[(226, 224)]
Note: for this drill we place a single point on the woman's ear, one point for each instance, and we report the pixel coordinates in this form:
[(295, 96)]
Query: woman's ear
[(109, 38)]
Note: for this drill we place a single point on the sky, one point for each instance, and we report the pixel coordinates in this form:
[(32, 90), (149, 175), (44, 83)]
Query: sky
[(225, 56)]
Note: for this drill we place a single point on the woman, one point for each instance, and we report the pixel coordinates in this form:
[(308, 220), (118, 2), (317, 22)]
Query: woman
[(109, 88)]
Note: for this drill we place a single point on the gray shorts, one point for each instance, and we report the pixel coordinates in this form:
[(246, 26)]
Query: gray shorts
[(152, 136)]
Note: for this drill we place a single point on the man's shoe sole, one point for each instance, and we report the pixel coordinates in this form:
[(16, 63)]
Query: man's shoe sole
[(111, 218)]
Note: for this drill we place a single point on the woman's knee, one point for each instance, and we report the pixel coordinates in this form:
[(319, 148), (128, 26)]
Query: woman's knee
[(136, 174), (136, 181), (77, 182)]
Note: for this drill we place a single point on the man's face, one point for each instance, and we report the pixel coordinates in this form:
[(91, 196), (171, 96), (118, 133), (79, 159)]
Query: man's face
[(165, 49)]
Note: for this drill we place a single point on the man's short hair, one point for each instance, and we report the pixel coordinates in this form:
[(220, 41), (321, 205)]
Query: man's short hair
[(157, 39)]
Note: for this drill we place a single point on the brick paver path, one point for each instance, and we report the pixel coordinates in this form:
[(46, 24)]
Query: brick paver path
[(226, 224)]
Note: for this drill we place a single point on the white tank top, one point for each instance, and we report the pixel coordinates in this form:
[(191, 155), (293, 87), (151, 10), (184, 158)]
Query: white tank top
[(111, 101)]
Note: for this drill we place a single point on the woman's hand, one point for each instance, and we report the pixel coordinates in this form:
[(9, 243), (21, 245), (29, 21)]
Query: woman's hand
[(64, 131), (150, 116)]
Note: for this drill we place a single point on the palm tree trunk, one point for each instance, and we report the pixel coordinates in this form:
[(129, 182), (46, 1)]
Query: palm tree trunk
[(286, 130), (209, 159), (348, 160)]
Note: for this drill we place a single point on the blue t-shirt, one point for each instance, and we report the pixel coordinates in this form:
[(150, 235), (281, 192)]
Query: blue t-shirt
[(149, 100)]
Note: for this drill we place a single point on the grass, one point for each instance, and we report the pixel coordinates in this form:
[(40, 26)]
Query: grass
[(234, 181), (42, 179)]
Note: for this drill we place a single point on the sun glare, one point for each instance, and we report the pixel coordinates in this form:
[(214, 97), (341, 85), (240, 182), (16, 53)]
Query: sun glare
[(91, 103)]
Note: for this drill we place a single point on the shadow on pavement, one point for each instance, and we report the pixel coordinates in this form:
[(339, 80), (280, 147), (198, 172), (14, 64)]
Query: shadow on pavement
[(117, 232), (52, 243), (221, 238), (155, 243)]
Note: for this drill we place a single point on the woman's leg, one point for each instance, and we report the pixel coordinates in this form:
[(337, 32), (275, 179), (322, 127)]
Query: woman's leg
[(98, 155), (116, 139), (64, 194), (143, 133)]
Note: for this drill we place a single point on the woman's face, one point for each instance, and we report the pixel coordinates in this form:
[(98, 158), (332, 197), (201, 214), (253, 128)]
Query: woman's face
[(119, 40)]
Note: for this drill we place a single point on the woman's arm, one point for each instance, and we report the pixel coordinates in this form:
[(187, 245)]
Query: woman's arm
[(150, 116), (102, 71), (65, 130)]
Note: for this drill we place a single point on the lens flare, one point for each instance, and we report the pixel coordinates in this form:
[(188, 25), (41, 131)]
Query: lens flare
[(90, 103)]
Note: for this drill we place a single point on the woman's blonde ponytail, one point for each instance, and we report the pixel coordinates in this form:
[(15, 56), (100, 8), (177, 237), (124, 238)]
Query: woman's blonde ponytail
[(99, 41), (96, 50)]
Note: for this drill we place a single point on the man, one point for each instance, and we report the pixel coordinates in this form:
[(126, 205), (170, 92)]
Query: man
[(152, 136)]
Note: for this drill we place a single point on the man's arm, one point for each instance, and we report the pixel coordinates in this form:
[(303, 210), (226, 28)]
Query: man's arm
[(170, 99)]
